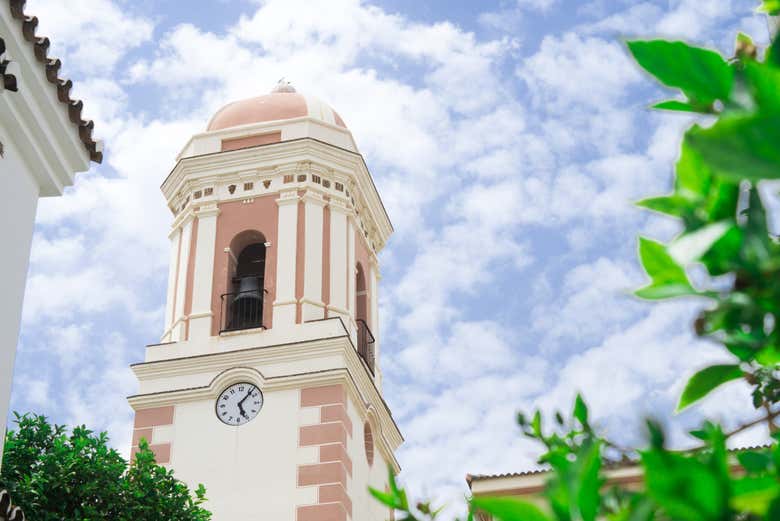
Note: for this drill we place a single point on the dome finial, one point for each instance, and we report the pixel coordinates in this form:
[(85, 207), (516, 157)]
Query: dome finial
[(283, 86)]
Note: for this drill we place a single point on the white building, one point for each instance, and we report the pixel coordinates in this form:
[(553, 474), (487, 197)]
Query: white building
[(43, 143), (267, 386)]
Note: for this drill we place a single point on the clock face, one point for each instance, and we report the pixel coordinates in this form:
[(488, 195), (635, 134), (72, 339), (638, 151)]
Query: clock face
[(239, 403)]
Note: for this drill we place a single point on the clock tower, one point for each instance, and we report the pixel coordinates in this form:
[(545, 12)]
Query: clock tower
[(266, 386)]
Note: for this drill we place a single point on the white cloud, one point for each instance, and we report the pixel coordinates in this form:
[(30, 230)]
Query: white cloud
[(508, 173), (89, 35), (574, 71)]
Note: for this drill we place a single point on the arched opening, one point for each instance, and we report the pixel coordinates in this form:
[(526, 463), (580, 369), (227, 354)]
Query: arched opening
[(361, 295), (242, 306), (365, 338), (368, 442)]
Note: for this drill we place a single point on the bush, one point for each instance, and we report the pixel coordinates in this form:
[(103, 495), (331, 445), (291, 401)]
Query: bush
[(53, 475)]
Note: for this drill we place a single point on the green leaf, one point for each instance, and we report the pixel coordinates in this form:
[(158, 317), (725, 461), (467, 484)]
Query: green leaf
[(754, 462), (754, 494), (773, 53), (689, 247), (680, 106), (667, 278), (703, 75), (770, 7), (704, 381), (769, 356), (685, 488), (674, 205), (740, 147), (724, 253), (764, 82), (693, 177), (589, 496), (581, 410), (386, 498), (509, 509), (536, 424)]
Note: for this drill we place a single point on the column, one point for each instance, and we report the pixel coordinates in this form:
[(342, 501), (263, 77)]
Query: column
[(287, 238), (338, 260), (201, 315), (312, 307), (170, 300), (351, 274), (177, 330)]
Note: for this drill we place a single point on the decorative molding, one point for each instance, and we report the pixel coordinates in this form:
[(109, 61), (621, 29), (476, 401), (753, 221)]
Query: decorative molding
[(354, 376), (210, 210), (343, 167)]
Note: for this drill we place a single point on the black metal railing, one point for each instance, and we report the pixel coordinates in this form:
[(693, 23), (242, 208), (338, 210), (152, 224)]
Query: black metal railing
[(242, 310), (365, 344)]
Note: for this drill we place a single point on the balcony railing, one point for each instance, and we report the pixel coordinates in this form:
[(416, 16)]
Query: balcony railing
[(242, 310), (365, 344)]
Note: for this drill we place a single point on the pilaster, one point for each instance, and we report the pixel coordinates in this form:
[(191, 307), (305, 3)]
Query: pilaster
[(201, 316), (312, 307), (285, 303), (179, 319), (173, 266), (338, 260)]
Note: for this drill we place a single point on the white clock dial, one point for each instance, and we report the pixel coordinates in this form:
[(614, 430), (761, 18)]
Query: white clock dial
[(239, 403)]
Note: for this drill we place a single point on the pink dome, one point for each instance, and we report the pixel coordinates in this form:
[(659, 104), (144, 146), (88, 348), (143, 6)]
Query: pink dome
[(282, 103)]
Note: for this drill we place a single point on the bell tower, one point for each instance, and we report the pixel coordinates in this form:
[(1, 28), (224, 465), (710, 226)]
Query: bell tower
[(266, 386)]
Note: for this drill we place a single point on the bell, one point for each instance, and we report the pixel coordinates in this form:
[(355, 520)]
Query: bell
[(248, 288)]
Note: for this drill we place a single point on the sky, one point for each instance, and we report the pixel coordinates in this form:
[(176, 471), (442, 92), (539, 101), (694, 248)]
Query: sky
[(508, 141)]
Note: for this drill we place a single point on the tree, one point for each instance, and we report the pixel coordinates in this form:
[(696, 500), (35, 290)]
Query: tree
[(717, 200), (54, 475)]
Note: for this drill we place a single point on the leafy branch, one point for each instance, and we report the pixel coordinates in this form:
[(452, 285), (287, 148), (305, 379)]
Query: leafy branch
[(724, 162)]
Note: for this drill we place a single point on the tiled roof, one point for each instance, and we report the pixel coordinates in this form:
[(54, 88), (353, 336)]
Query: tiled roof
[(52, 66), (7, 80), (8, 512), (610, 465), (477, 477)]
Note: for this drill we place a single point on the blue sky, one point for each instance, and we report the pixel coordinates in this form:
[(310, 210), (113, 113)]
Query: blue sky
[(507, 139)]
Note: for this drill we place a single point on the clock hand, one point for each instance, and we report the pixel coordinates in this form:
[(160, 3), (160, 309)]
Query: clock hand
[(240, 404)]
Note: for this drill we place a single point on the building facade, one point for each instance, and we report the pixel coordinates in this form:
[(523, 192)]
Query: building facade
[(267, 386), (44, 141)]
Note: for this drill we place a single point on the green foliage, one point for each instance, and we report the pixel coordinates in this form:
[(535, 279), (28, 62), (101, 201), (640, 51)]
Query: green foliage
[(56, 475), (509, 509), (704, 381), (668, 279), (717, 201), (702, 75)]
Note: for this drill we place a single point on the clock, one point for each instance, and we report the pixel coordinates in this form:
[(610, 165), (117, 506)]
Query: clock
[(239, 403)]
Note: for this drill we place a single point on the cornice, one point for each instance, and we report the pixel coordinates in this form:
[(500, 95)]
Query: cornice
[(288, 157), (389, 437), (267, 355)]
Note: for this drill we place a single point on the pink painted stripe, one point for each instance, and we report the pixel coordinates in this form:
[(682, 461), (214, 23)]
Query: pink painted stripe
[(336, 413), (325, 395), (154, 416)]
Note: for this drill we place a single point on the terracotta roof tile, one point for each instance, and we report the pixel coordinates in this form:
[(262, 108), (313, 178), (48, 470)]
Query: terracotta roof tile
[(52, 66), (7, 80)]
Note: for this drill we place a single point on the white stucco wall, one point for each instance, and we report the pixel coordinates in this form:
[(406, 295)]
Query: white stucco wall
[(17, 217), (249, 471)]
